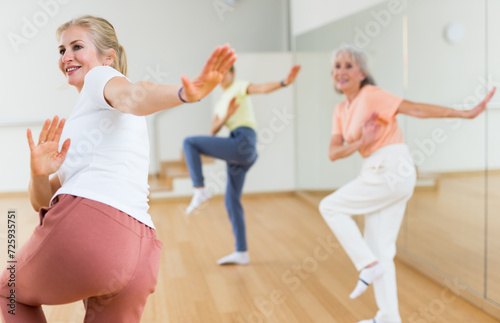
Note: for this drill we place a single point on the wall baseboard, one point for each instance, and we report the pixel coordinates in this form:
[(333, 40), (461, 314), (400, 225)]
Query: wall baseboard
[(13, 195)]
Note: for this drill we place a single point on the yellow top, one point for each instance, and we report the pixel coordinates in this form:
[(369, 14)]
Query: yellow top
[(244, 116)]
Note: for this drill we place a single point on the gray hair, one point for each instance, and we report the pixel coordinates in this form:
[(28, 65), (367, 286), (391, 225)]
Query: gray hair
[(359, 57)]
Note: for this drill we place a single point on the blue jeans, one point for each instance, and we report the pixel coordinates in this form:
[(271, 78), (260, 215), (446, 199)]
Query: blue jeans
[(240, 153)]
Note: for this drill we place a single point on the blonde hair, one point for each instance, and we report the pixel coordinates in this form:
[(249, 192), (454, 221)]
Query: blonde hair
[(103, 36), (359, 58)]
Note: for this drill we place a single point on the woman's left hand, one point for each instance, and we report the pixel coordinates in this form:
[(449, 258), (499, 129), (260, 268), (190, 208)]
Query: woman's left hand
[(212, 74), (292, 75), (471, 114), (46, 158)]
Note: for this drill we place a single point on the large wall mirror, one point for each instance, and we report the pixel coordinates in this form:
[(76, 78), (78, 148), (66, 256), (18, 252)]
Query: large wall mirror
[(493, 147), (442, 52)]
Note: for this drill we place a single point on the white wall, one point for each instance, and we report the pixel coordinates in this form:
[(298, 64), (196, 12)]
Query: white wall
[(308, 15), (447, 74), (162, 38)]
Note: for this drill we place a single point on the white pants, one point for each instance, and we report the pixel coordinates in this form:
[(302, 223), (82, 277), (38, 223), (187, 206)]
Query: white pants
[(380, 192)]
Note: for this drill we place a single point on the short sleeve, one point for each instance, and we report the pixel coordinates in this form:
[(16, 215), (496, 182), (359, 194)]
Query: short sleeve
[(242, 88), (384, 103), (336, 123), (95, 81)]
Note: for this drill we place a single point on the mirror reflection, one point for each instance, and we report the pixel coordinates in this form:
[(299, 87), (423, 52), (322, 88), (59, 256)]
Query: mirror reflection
[(440, 60), (493, 175)]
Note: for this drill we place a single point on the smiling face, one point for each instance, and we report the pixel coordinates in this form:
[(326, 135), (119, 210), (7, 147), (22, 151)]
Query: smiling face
[(347, 75), (78, 55)]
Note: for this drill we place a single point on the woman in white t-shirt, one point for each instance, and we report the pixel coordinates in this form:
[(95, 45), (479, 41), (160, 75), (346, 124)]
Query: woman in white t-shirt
[(96, 242)]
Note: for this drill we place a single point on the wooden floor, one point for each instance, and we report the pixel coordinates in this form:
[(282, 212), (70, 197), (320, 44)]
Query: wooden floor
[(298, 272)]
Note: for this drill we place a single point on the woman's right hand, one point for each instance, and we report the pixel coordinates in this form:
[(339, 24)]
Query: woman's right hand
[(45, 156), (212, 74), (231, 108), (369, 130)]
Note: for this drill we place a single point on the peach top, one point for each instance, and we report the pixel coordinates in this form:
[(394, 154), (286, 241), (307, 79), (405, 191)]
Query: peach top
[(348, 118)]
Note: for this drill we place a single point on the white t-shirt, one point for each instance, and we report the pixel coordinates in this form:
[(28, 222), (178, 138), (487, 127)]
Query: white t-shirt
[(108, 159)]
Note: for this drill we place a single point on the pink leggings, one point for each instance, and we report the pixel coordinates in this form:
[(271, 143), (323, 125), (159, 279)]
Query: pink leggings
[(84, 250)]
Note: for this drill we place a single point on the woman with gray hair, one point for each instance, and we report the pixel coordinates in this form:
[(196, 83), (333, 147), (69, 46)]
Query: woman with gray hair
[(366, 122)]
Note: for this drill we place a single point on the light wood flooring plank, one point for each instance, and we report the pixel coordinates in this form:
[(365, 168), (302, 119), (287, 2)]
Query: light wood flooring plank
[(298, 272)]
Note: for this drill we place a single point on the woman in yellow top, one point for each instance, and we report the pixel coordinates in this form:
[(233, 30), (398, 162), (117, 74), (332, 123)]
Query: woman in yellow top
[(234, 110), (366, 122)]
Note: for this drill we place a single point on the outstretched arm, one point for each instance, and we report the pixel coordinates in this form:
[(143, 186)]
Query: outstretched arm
[(144, 98), (422, 110), (273, 86)]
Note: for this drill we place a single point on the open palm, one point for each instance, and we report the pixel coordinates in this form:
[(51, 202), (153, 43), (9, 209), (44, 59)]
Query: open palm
[(46, 158), (292, 74), (212, 74), (481, 106)]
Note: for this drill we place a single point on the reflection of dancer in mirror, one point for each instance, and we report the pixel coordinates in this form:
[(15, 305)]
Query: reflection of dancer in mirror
[(96, 241), (234, 110), (366, 122)]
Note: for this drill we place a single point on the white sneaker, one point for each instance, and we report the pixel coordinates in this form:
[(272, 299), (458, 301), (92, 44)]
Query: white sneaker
[(237, 258), (366, 277), (200, 196)]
